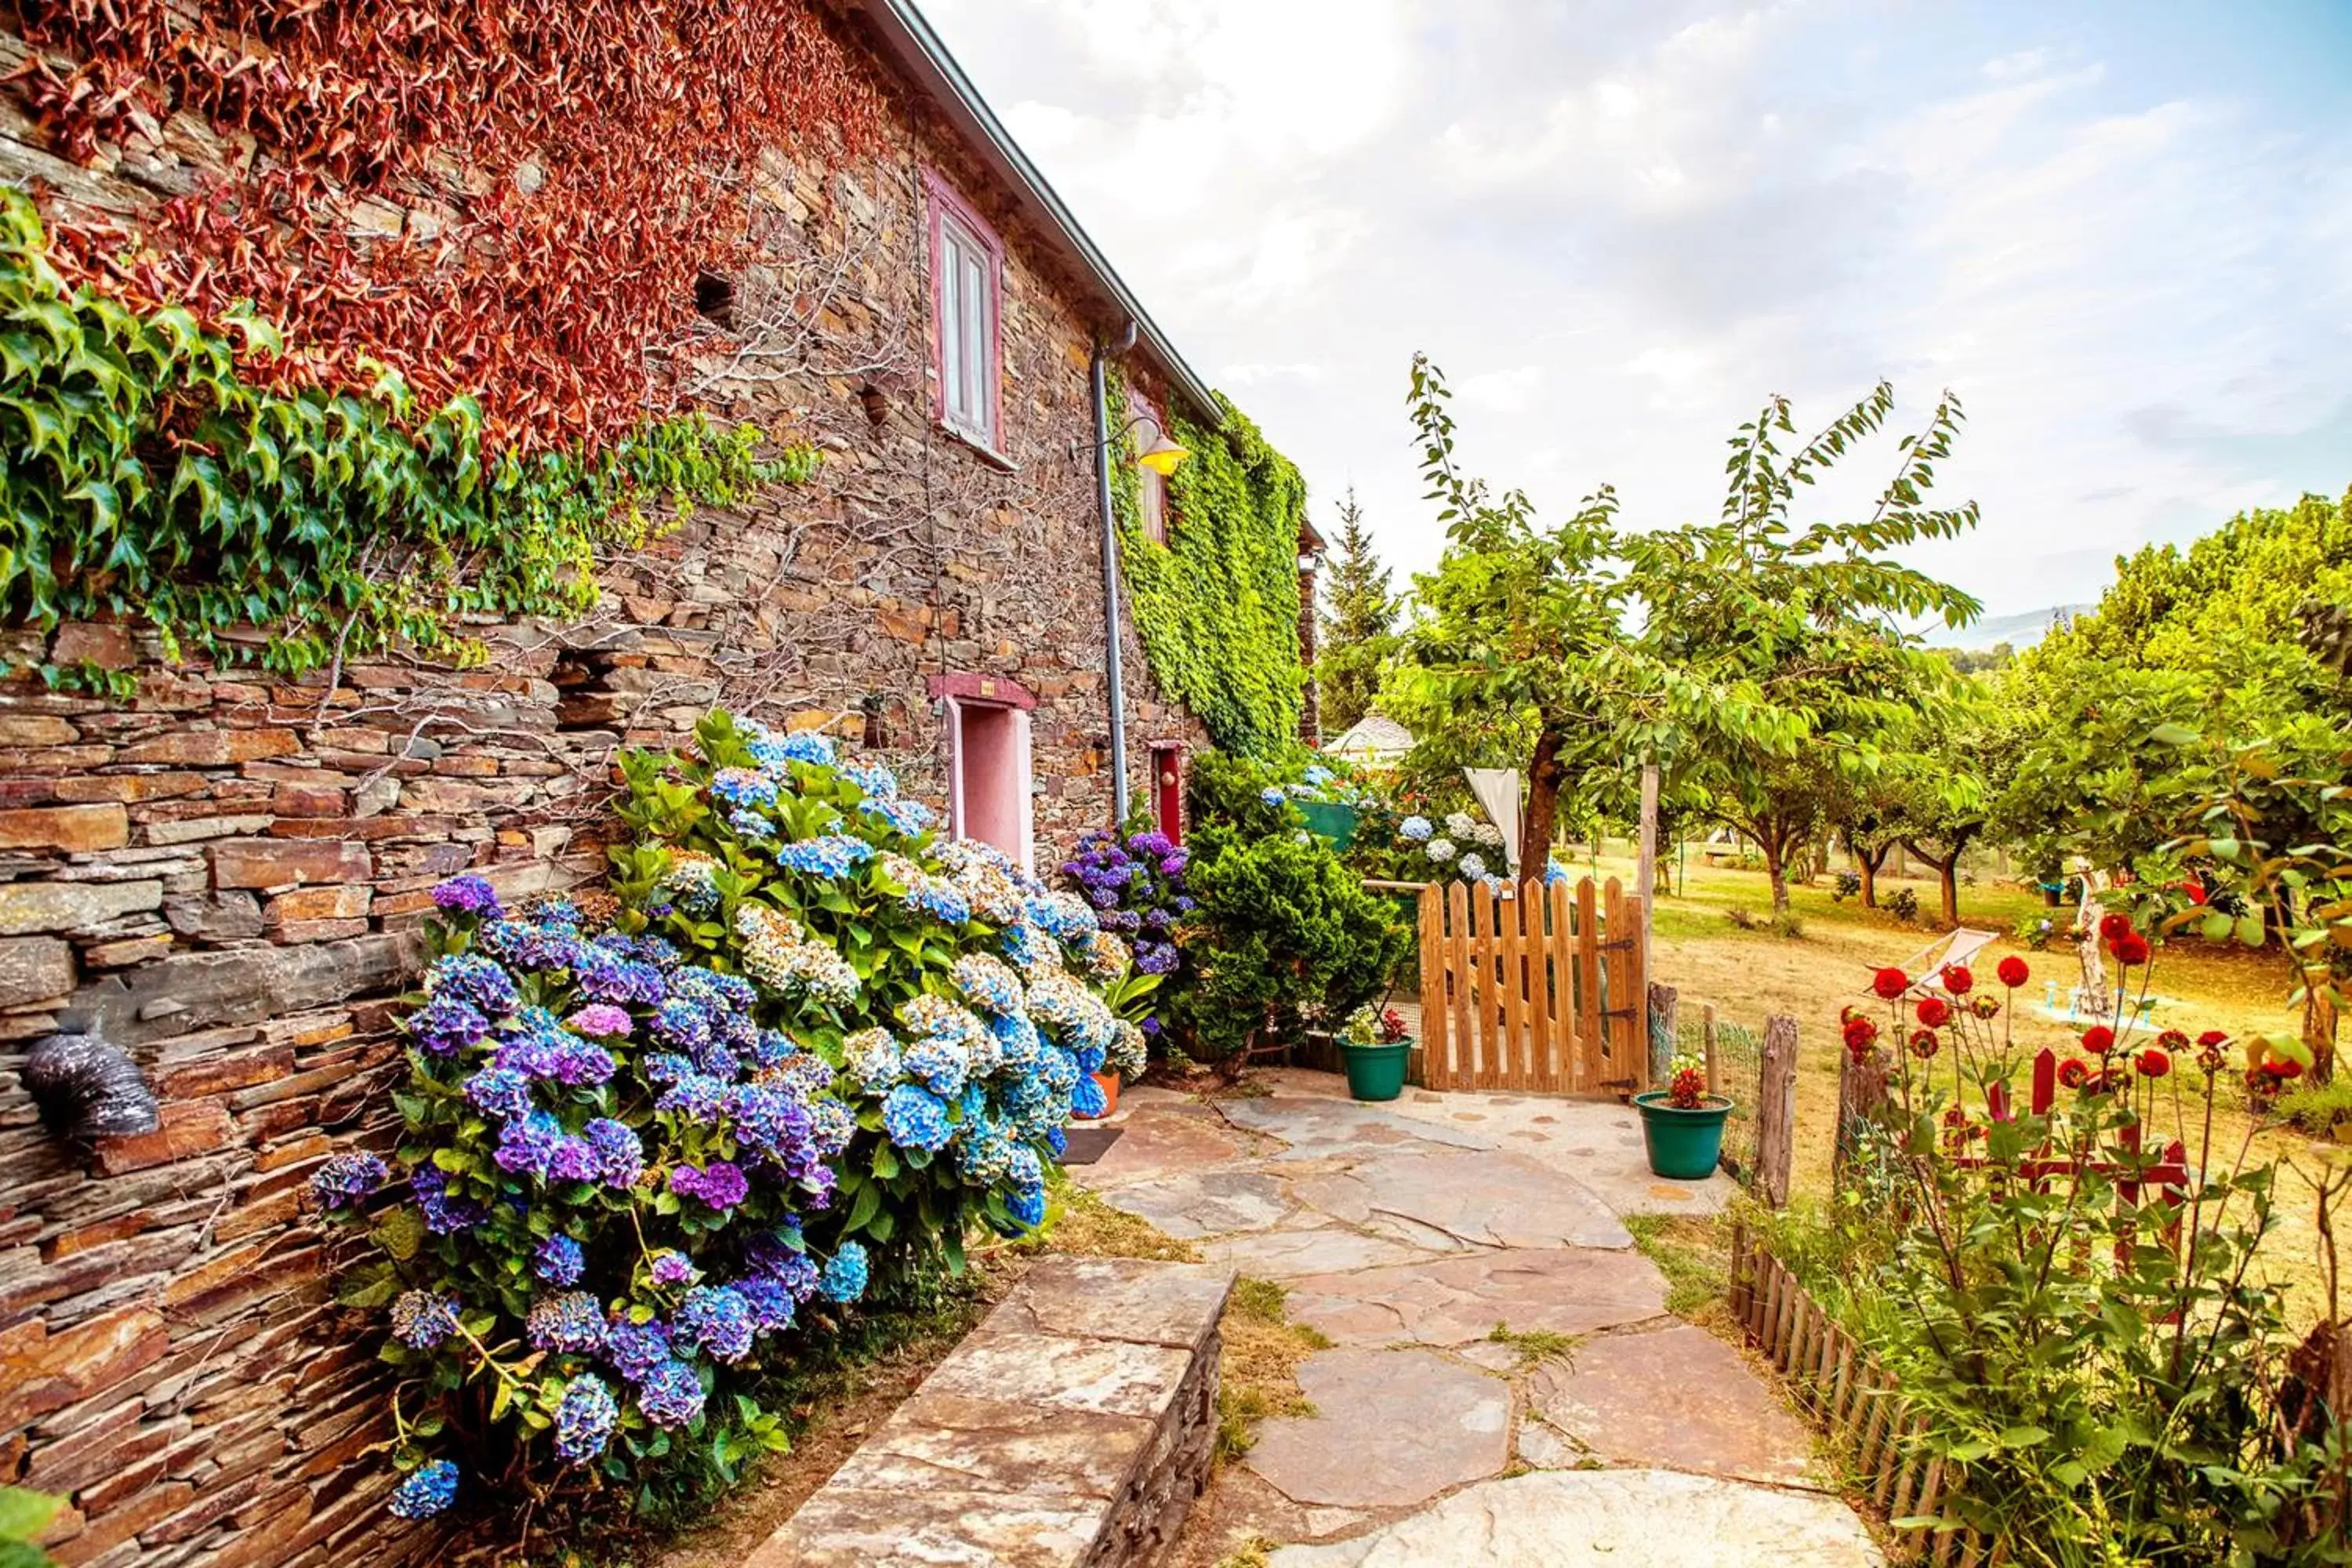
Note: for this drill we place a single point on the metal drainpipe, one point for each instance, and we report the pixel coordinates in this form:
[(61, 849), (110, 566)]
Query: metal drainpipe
[(1110, 576)]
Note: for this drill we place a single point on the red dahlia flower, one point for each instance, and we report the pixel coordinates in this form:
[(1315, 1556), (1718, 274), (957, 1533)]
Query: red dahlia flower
[(2154, 1063), (2131, 947), (2214, 1037), (1934, 1012), (1861, 1034), (2013, 972), (2074, 1072), (1890, 983), (2098, 1039), (2112, 927), (1925, 1044), (1958, 980), (2173, 1040)]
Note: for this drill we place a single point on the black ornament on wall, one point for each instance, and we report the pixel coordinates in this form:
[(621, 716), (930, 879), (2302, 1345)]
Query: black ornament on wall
[(88, 1088)]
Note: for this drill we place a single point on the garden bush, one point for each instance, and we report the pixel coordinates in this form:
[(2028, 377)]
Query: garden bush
[(1134, 883), (1283, 934), (2101, 1361), (654, 1138)]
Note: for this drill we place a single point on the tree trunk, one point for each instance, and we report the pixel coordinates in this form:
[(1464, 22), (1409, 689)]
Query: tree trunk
[(1540, 817), (1775, 867), (1868, 861), (1948, 874), (2319, 1033)]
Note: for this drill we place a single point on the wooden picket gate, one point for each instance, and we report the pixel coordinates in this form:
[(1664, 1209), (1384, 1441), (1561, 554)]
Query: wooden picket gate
[(1542, 990)]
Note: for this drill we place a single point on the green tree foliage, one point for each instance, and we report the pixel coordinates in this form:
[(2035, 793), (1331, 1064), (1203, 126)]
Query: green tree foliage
[(1217, 603), (2206, 687), (1358, 627), (1759, 661), (147, 478)]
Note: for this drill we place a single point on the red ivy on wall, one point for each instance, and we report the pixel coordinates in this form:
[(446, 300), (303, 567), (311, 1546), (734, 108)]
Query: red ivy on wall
[(507, 197)]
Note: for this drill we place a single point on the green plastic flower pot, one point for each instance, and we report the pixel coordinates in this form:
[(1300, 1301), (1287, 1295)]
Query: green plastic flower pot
[(1684, 1145), (1328, 821), (1376, 1072)]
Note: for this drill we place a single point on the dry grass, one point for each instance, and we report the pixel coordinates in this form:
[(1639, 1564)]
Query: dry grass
[(1079, 1224), (1259, 1370), (1748, 973)]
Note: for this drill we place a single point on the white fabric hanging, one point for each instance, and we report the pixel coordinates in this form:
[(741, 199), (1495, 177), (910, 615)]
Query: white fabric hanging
[(1498, 790)]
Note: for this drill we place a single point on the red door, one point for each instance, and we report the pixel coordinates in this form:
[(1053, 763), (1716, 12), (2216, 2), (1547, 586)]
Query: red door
[(1167, 790)]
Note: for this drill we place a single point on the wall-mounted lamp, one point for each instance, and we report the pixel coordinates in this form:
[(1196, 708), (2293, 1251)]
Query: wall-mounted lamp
[(1163, 457)]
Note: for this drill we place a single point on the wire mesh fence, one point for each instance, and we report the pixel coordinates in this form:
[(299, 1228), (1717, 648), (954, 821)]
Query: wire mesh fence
[(1735, 1056)]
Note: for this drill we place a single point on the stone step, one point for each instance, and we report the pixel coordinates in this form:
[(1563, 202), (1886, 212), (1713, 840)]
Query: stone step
[(1072, 1429)]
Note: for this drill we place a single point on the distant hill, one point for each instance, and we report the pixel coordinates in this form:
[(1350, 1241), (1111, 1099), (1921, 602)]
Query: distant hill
[(2019, 631)]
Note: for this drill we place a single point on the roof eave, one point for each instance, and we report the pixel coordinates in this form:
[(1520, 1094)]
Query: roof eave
[(919, 51)]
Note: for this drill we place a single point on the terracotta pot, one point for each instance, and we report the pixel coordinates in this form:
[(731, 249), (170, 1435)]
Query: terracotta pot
[(1108, 1083)]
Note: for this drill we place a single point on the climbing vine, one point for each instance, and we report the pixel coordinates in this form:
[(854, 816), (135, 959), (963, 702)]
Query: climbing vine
[(147, 476), (504, 199), (1217, 605)]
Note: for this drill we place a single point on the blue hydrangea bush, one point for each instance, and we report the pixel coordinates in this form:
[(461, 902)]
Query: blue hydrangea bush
[(654, 1139)]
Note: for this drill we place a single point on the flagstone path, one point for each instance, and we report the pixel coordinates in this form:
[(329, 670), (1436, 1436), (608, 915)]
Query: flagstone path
[(1409, 1235)]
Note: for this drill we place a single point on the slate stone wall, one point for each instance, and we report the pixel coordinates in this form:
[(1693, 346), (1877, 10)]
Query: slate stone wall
[(226, 873)]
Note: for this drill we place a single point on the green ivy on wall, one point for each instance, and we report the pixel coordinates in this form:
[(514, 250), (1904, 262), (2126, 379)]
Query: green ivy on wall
[(1217, 605), (148, 478)]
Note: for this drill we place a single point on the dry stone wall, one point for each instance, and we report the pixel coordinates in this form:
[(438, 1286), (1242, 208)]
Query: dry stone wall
[(226, 873)]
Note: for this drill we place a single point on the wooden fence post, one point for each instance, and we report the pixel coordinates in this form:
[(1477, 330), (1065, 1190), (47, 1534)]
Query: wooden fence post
[(1862, 1092), (1706, 1043), (1664, 1038), (1776, 1111)]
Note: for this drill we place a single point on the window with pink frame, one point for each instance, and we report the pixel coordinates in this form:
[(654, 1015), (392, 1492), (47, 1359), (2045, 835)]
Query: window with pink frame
[(967, 314)]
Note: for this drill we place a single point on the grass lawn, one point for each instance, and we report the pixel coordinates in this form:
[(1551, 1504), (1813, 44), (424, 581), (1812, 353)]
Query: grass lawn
[(1749, 973)]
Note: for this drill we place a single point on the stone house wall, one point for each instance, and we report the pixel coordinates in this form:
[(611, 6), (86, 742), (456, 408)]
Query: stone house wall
[(226, 873)]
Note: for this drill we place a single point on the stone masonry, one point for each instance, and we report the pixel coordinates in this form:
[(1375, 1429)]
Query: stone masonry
[(226, 873), (1073, 1429)]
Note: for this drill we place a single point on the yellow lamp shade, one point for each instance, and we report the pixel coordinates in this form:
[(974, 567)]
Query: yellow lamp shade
[(1163, 457)]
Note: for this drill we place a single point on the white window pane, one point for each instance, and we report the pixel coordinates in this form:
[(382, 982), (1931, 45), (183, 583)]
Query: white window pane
[(952, 342)]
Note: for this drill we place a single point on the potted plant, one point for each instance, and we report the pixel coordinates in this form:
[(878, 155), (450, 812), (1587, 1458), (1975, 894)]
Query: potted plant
[(1375, 1046), (1682, 1124)]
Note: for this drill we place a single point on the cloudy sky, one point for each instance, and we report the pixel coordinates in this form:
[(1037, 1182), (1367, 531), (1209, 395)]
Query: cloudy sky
[(2122, 233)]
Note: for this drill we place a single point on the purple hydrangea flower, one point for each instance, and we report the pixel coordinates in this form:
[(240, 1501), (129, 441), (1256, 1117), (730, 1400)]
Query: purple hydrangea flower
[(428, 1490), (671, 1394), (698, 1097), (573, 1160), (443, 1215), (528, 1143), (1027, 1207), (682, 1025), (468, 895), (421, 1320), (347, 1180), (447, 1025), (472, 978), (584, 1419), (570, 1322), (620, 1158), (499, 1092), (771, 1302), (602, 1021), (671, 1267), (558, 1260), (636, 1349), (717, 1319), (719, 1184)]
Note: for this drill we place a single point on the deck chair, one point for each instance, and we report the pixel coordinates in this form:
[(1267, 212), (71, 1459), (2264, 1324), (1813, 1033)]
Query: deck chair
[(1958, 946)]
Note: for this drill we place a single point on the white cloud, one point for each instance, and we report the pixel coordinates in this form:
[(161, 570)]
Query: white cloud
[(1618, 229)]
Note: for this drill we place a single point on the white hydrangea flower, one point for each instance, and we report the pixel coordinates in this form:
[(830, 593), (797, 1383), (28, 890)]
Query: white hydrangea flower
[(1473, 867), (1440, 851), (1462, 824)]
